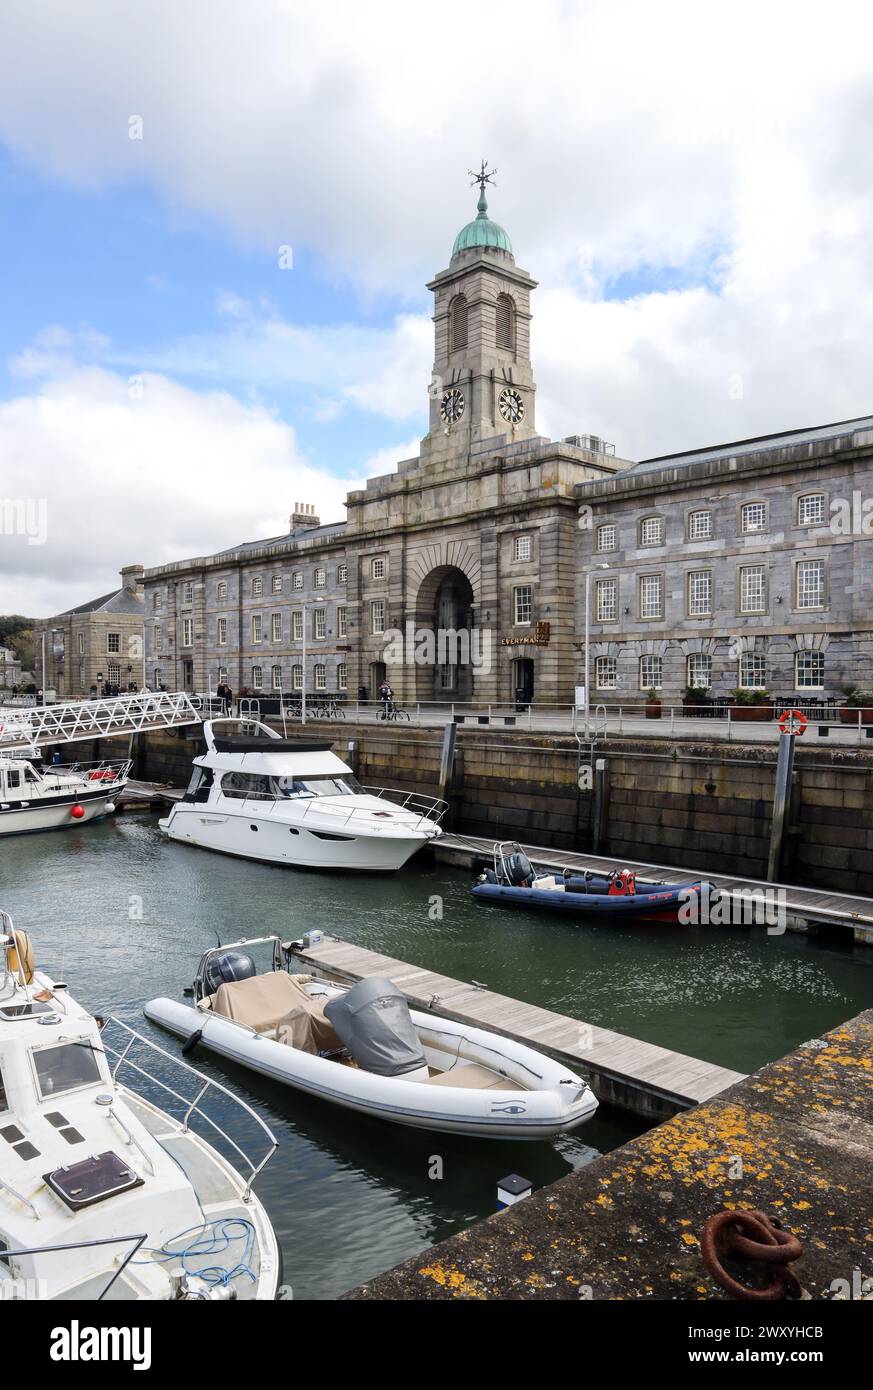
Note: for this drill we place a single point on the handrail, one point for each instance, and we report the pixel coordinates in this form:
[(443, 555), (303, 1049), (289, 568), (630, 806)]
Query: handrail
[(192, 1107), (138, 1242), (21, 1198), (121, 714)]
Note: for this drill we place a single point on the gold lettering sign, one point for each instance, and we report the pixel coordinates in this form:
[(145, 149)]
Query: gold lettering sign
[(538, 638)]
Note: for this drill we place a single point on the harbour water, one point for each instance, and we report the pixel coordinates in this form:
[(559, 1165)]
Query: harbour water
[(123, 915)]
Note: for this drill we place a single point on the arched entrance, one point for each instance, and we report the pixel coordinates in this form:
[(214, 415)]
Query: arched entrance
[(444, 621)]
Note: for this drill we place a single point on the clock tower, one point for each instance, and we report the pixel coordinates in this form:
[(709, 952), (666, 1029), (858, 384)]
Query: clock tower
[(482, 387)]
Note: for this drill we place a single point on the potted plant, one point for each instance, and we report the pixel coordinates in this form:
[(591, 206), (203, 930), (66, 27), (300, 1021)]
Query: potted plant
[(694, 697), (653, 704), (751, 705), (857, 702)]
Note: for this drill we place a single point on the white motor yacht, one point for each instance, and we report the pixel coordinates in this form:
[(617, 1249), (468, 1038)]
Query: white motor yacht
[(33, 797), (102, 1193), (293, 801)]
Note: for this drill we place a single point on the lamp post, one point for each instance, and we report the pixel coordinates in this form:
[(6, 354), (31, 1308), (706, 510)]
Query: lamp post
[(587, 706)]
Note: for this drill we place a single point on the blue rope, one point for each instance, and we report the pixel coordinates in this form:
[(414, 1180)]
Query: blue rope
[(212, 1238)]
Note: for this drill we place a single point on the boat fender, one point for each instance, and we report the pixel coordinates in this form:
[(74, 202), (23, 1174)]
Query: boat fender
[(77, 812), (189, 1045)]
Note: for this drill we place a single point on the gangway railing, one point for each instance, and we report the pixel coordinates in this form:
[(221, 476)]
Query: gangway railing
[(123, 714)]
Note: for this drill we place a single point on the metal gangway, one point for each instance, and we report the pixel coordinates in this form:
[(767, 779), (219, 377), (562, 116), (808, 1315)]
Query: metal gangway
[(120, 715)]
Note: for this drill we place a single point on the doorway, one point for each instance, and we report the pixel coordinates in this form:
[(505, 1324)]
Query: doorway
[(523, 681)]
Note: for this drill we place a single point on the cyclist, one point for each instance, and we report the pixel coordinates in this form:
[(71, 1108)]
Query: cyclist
[(386, 695)]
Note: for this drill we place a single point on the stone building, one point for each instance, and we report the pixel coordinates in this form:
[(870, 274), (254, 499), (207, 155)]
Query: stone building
[(96, 644), (462, 575), (10, 669)]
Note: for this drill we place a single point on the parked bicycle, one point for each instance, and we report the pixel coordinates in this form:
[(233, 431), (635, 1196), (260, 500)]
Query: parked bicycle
[(330, 709)]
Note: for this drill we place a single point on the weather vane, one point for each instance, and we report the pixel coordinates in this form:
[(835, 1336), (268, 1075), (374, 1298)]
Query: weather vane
[(485, 175)]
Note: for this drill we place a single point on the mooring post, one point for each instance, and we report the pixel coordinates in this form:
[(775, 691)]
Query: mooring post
[(598, 810), (781, 796), (447, 765)]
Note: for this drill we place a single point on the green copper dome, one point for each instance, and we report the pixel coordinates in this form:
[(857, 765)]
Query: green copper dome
[(482, 232)]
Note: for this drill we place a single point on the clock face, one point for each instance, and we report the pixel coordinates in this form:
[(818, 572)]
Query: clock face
[(511, 406), (452, 407)]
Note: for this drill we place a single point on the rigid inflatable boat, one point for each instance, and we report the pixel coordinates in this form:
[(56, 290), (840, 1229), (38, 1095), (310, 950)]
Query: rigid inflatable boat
[(514, 882), (363, 1048)]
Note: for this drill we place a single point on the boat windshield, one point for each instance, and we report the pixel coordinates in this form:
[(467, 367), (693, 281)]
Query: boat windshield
[(307, 787)]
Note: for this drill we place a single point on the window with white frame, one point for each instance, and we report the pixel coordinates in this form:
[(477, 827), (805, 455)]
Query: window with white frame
[(652, 530), (187, 632), (297, 677), (811, 509), (320, 676), (341, 622), (810, 584), (342, 574), (319, 624), (277, 583), (222, 675), (377, 615), (699, 525), (753, 671), (606, 673), (809, 671), (276, 627), (257, 586), (320, 578), (651, 672), (156, 678), (607, 537), (188, 593), (700, 593), (753, 517), (257, 677), (523, 547), (753, 589), (651, 596), (113, 641), (606, 600), (297, 625), (222, 632), (81, 642), (257, 627), (297, 580), (114, 674), (699, 670), (342, 676), (156, 601), (522, 605), (221, 590), (276, 673), (378, 567), (159, 638)]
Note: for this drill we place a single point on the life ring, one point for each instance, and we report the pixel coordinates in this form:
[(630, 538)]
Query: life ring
[(19, 956), (793, 721)]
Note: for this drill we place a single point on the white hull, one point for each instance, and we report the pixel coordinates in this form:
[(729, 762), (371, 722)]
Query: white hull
[(57, 815), (557, 1102)]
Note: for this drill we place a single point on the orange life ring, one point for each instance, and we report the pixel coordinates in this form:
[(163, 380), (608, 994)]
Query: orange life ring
[(793, 721)]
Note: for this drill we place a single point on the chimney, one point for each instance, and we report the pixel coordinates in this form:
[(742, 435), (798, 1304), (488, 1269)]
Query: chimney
[(131, 577), (303, 516)]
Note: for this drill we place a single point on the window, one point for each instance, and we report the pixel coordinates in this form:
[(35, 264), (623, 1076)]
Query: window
[(505, 322), (522, 604), (113, 641), (297, 581), (523, 547), (257, 586), (187, 632), (342, 574), (221, 590), (651, 672), (342, 676), (753, 671), (297, 677), (606, 673), (257, 627), (222, 675), (277, 584), (699, 526), (81, 644), (240, 785), (753, 517), (257, 677), (699, 671), (699, 593), (377, 567), (652, 530), (222, 632), (276, 677), (188, 593), (457, 323), (297, 625), (320, 578), (652, 596), (114, 674), (156, 601), (607, 537), (753, 589), (320, 676), (811, 509), (341, 622), (377, 615), (809, 671), (606, 600), (276, 627), (810, 585), (66, 1068), (319, 626)]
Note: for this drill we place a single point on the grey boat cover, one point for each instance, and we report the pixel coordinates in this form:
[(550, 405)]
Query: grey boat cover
[(373, 1021)]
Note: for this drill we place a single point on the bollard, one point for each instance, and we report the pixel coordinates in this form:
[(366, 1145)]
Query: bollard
[(512, 1189)]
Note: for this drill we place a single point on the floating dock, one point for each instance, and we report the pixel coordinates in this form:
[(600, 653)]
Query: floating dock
[(148, 795), (641, 1077), (792, 1140)]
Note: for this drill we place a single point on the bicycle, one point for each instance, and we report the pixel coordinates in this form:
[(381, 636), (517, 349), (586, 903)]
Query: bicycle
[(393, 711), (330, 709)]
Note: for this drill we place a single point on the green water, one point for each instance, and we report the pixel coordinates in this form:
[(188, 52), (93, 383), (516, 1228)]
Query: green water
[(123, 915)]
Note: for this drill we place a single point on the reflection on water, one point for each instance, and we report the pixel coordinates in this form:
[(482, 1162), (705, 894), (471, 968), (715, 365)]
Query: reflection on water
[(123, 915)]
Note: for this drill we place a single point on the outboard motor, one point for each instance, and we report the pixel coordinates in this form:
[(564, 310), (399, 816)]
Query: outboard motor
[(519, 869), (372, 1020), (226, 969)]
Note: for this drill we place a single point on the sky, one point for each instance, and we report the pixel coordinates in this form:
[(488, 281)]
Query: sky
[(217, 221)]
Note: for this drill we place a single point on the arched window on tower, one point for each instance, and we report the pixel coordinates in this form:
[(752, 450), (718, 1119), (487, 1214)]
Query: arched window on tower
[(457, 323), (505, 322)]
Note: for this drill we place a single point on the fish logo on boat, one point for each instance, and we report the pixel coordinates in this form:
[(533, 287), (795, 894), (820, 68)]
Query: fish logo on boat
[(508, 1109)]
